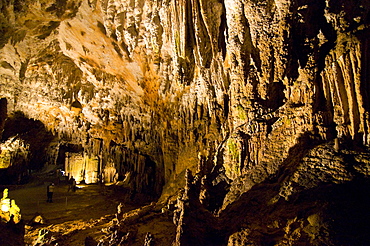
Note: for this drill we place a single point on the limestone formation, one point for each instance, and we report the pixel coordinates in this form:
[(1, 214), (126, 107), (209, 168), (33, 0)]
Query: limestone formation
[(265, 103)]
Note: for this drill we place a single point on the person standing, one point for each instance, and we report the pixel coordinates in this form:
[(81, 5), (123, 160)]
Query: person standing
[(50, 192), (73, 184)]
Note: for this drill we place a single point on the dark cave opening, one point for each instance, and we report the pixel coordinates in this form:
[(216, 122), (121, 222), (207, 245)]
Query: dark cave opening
[(26, 142)]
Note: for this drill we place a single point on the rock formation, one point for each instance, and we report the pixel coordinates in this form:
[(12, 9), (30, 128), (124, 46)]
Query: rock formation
[(262, 105)]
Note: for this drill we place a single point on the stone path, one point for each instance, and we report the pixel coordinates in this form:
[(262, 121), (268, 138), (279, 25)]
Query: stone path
[(88, 202)]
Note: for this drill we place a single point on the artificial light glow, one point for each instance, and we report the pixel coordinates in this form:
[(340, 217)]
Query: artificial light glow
[(5, 206), (83, 168)]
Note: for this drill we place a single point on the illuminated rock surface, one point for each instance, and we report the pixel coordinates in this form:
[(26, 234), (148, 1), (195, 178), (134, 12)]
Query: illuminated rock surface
[(246, 121)]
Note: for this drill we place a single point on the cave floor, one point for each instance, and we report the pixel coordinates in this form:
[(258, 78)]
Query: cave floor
[(72, 215)]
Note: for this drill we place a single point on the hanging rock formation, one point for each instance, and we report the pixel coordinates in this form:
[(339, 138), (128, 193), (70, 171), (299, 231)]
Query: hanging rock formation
[(262, 105)]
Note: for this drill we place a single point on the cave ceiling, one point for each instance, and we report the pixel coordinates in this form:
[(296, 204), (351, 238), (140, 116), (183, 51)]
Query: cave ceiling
[(176, 80)]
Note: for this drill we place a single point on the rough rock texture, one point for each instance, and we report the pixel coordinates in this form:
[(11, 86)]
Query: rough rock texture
[(266, 103), (11, 234)]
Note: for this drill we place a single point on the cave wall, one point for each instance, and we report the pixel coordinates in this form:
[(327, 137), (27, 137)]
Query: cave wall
[(240, 97), (161, 86)]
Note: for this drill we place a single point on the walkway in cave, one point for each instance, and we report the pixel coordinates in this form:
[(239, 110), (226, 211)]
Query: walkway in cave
[(85, 203), (74, 213)]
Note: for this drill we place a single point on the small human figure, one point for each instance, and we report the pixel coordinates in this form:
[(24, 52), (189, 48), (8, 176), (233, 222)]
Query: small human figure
[(50, 192), (72, 184), (69, 183)]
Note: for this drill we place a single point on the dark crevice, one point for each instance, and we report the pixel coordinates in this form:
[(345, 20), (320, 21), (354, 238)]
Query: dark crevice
[(275, 96), (202, 38), (102, 27), (222, 37)]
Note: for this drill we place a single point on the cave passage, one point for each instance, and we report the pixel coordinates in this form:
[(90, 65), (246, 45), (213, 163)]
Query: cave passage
[(87, 206)]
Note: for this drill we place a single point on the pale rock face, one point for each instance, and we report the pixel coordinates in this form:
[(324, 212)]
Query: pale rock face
[(228, 89)]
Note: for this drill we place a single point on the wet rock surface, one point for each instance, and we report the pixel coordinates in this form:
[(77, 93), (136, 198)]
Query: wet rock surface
[(246, 122)]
